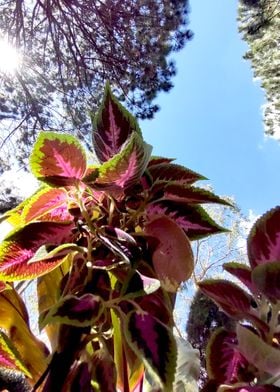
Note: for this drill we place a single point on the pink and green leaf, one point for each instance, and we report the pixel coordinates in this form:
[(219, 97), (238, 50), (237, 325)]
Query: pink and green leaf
[(50, 204), (155, 160), (266, 278), (47, 254), (91, 174), (173, 258), (155, 305), (232, 300), (9, 356), (223, 360), (174, 173), (113, 126), (242, 272), (58, 159), (120, 243), (152, 341), (193, 219), (127, 167), (228, 296), (79, 377), (21, 246), (104, 369), (192, 195), (257, 352), (73, 310), (264, 239)]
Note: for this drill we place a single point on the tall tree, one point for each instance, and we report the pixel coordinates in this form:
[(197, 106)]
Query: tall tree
[(259, 22), (70, 48), (204, 318)]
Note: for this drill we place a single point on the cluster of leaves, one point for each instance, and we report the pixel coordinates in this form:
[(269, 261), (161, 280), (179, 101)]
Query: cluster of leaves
[(248, 358), (69, 50), (109, 244), (259, 23)]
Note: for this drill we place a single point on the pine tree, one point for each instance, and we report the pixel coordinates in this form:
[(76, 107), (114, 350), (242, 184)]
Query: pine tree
[(70, 48), (204, 318), (259, 23)]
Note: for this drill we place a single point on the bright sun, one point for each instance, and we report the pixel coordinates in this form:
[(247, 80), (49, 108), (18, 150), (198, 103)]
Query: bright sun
[(10, 59)]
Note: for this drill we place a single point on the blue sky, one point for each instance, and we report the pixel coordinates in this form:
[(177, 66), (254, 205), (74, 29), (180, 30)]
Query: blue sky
[(211, 120)]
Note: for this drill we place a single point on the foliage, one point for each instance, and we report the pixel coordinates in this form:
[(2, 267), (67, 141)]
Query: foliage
[(69, 50), (259, 23), (249, 357), (109, 244)]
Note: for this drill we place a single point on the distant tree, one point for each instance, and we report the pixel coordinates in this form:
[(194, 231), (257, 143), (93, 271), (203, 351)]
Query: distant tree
[(259, 23), (70, 48), (204, 318)]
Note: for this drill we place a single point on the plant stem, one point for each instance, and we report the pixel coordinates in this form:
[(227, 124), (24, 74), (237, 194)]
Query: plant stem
[(125, 374)]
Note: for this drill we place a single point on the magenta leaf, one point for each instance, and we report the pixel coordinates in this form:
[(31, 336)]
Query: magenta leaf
[(152, 341), (49, 204), (104, 370), (120, 243), (241, 272), (232, 300), (113, 126), (155, 305), (21, 246), (58, 159), (189, 194), (72, 310), (173, 172), (224, 361), (264, 239), (193, 219), (228, 296), (158, 160), (127, 167), (80, 378), (266, 278)]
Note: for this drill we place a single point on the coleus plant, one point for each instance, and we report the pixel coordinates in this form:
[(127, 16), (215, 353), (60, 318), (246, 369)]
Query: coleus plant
[(109, 244), (248, 357)]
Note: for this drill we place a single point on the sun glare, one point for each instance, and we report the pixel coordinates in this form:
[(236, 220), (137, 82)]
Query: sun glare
[(10, 58)]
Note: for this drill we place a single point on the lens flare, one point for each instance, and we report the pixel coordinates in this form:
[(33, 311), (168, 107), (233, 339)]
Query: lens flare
[(10, 58)]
